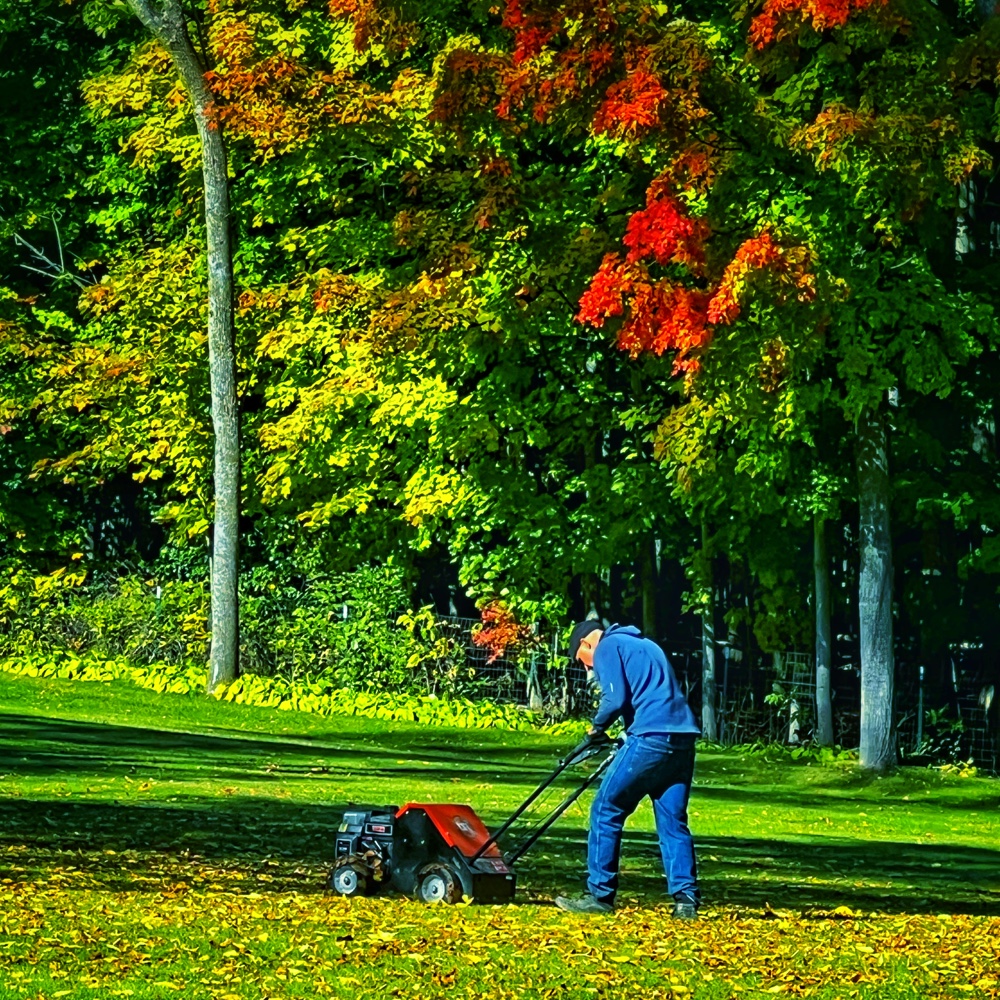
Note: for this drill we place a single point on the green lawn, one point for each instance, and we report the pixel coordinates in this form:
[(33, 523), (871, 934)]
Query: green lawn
[(157, 845)]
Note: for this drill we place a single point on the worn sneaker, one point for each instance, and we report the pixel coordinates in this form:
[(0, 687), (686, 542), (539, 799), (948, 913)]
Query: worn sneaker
[(685, 908), (586, 904)]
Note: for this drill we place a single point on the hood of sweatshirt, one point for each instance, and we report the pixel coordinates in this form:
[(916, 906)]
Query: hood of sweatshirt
[(617, 629)]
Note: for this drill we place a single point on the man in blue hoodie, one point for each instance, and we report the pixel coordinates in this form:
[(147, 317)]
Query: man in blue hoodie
[(638, 686)]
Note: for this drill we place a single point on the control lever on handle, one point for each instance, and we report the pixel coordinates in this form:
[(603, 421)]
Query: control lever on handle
[(590, 746)]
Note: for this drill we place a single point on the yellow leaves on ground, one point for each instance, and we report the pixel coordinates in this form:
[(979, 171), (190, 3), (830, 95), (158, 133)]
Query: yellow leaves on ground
[(214, 942)]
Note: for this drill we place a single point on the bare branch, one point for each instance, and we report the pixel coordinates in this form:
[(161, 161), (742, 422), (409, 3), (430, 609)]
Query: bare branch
[(49, 267), (62, 258), (75, 278), (23, 242)]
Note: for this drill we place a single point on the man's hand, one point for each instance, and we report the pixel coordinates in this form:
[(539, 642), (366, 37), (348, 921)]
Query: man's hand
[(594, 738)]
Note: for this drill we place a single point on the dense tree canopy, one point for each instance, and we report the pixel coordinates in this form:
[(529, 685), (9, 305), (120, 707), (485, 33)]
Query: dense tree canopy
[(578, 304)]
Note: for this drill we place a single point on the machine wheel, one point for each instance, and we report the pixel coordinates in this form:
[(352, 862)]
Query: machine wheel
[(350, 879), (439, 884)]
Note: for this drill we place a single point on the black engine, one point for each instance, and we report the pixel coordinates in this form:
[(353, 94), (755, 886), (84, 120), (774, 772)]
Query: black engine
[(365, 837)]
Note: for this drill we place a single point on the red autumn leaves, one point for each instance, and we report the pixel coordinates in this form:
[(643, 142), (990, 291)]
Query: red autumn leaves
[(631, 104), (532, 32), (500, 633), (781, 18), (662, 313), (663, 231), (666, 295)]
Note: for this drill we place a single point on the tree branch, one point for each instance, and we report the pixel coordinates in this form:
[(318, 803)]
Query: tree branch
[(50, 268)]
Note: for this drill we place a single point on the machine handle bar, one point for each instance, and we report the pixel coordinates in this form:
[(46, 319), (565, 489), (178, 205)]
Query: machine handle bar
[(561, 808), (575, 756)]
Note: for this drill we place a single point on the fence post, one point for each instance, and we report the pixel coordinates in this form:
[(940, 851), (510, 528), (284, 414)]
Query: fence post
[(920, 710), (723, 707), (535, 700)]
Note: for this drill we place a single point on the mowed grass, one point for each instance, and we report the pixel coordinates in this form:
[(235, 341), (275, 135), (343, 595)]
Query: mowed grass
[(159, 846)]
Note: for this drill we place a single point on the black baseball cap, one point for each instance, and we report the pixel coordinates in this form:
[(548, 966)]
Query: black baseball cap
[(580, 632)]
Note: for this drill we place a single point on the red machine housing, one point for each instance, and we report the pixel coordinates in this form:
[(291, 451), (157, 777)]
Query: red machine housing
[(443, 839)]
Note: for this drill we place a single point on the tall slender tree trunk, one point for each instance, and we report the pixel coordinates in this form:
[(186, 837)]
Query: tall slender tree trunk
[(821, 566), (167, 23), (878, 743), (709, 726), (589, 595), (648, 576)]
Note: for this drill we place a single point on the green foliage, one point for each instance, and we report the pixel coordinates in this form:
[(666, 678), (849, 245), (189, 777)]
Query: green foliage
[(439, 656), (320, 696), (342, 626), (134, 620), (414, 387), (345, 628), (942, 736)]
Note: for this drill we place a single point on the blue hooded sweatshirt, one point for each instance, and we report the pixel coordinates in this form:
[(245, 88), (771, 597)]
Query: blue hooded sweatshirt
[(638, 684)]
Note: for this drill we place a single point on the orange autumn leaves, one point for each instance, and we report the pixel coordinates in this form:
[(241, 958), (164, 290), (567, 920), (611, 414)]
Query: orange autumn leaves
[(666, 295), (662, 313), (782, 18), (499, 632)]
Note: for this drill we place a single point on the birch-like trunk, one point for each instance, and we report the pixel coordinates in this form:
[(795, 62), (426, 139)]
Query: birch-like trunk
[(821, 566), (709, 725), (878, 743), (167, 23)]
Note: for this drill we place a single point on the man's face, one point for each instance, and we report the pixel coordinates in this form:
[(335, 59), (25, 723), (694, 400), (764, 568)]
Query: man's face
[(588, 645)]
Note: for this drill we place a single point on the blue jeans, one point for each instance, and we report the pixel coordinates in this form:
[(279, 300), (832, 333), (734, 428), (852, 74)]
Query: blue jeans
[(659, 766)]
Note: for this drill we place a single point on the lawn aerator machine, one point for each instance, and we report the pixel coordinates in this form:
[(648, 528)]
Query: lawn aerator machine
[(442, 852)]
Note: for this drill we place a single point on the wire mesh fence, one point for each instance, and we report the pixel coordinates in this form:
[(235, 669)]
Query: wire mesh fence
[(768, 702), (960, 730), (542, 678)]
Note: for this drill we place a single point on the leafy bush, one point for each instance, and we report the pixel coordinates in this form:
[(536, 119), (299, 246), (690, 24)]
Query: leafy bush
[(438, 661), (805, 752), (128, 618), (344, 628), (317, 696), (942, 737)]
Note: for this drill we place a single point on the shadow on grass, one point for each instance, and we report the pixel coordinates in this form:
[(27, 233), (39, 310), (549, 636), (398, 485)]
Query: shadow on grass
[(838, 791), (246, 844), (824, 873), (41, 747), (267, 843)]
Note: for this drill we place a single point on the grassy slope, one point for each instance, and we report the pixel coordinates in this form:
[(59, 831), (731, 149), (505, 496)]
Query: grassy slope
[(159, 845)]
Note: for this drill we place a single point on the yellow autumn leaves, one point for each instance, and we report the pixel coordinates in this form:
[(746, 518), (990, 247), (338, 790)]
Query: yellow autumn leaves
[(217, 943)]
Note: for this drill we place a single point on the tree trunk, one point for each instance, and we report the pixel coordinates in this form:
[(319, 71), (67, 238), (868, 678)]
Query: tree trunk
[(589, 594), (589, 582), (709, 728), (821, 565), (647, 567), (878, 744), (166, 21)]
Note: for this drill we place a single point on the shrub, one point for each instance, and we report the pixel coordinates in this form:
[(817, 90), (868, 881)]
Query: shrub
[(316, 696), (127, 618), (343, 628), (352, 631)]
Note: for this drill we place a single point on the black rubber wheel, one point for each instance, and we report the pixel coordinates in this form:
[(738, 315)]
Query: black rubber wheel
[(439, 884), (349, 880)]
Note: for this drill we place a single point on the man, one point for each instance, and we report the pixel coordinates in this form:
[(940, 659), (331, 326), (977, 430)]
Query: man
[(639, 686)]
